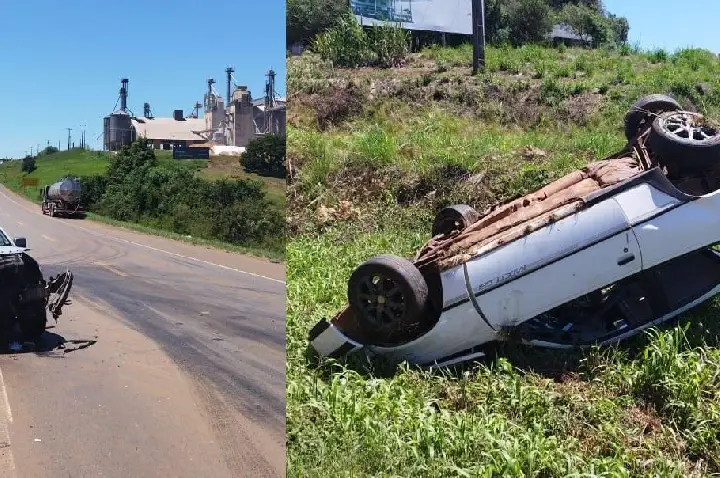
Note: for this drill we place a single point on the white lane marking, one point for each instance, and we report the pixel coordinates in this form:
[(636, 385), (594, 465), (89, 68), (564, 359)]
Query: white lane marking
[(110, 268), (4, 398), (150, 247), (7, 463), (47, 237)]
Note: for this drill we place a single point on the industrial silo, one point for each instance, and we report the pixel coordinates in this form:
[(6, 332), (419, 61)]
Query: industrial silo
[(119, 130), (117, 127)]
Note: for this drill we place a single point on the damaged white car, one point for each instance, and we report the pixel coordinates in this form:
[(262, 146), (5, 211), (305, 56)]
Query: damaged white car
[(592, 258), (25, 296)]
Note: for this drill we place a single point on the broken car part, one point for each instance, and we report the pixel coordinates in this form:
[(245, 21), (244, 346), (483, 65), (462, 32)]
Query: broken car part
[(25, 296)]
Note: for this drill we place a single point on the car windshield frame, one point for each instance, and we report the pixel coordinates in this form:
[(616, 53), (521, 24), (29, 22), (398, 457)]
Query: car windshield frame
[(4, 239)]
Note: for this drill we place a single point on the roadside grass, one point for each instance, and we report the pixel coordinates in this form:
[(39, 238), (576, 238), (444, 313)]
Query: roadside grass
[(275, 253), (369, 183), (78, 163)]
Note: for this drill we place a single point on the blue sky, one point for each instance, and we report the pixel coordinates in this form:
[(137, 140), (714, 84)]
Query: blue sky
[(62, 61), (670, 25)]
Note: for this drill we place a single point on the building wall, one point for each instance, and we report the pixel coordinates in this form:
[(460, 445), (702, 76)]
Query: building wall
[(214, 118), (276, 119), (242, 128)]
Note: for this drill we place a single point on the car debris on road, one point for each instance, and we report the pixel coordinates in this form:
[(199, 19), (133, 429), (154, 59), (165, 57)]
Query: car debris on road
[(592, 258), (25, 296)]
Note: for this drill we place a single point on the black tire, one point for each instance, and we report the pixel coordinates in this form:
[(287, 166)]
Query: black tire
[(52, 210), (642, 108), (681, 145), (452, 218), (388, 294), (33, 320)]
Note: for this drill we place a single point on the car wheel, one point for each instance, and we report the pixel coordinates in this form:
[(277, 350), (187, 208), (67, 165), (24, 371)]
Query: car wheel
[(388, 294), (646, 106), (33, 320), (52, 210), (682, 141), (454, 218)]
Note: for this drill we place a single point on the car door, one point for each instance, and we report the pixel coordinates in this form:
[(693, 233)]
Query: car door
[(669, 223), (560, 262)]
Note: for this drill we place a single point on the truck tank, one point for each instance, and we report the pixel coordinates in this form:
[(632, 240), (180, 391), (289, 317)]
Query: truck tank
[(67, 190)]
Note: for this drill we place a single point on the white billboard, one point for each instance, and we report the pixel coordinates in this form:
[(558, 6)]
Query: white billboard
[(449, 16)]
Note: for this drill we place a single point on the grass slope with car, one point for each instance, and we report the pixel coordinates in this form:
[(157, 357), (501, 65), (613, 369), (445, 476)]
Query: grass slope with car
[(373, 155)]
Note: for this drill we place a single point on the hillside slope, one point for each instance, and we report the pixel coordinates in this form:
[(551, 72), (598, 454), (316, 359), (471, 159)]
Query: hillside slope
[(79, 162), (373, 154)]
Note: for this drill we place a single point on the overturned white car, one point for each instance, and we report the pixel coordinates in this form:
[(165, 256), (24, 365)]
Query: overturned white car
[(592, 258), (25, 296)]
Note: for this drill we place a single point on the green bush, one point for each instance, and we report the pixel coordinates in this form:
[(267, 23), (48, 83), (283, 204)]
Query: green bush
[(529, 21), (137, 188), (307, 18), (28, 164), (92, 189), (266, 156), (348, 45)]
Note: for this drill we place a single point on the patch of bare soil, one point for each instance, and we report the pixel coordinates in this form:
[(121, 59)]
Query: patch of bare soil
[(336, 105)]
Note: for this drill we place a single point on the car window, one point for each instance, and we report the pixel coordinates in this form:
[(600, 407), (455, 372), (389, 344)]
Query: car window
[(4, 241)]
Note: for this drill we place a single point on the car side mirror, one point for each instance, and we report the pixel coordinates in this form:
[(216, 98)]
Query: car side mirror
[(20, 242)]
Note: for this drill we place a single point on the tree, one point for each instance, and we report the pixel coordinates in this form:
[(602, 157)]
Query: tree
[(265, 155), (590, 25), (307, 18), (529, 21), (496, 24), (48, 150), (138, 155), (620, 28), (28, 164)]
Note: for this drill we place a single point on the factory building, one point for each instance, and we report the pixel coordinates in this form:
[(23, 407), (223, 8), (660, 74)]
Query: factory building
[(166, 133), (231, 122)]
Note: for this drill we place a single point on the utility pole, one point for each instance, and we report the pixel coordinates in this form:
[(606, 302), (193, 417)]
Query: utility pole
[(478, 20), (82, 139), (69, 137)]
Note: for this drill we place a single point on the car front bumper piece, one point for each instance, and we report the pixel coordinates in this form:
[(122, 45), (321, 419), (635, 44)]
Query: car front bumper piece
[(328, 341)]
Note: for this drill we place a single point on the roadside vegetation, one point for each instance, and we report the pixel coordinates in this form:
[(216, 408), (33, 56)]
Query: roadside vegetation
[(373, 153), (187, 199)]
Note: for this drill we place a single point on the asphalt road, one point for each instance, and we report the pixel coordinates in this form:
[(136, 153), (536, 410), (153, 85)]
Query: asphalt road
[(169, 362)]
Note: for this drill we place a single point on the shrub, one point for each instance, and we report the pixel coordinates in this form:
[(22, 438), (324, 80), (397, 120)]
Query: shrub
[(92, 189), (265, 155), (28, 164), (169, 196), (529, 21), (348, 45), (307, 18)]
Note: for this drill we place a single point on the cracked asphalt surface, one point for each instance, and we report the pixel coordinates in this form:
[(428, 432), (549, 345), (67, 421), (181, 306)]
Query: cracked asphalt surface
[(187, 374)]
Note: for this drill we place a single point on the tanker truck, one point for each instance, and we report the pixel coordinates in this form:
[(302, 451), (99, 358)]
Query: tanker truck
[(62, 198)]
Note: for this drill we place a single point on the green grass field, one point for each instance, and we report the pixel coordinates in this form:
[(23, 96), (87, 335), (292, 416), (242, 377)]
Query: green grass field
[(376, 153)]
